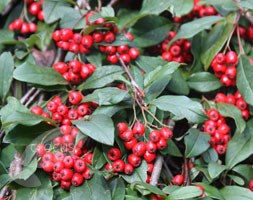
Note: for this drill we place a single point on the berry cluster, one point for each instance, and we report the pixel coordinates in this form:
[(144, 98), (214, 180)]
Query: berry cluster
[(139, 149), (74, 71), (125, 52), (197, 11), (245, 33), (218, 129), (74, 42), (68, 168), (23, 27), (234, 99), (224, 67), (63, 114), (35, 8), (179, 51)]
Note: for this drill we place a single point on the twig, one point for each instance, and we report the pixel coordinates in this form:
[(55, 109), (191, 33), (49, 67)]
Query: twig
[(157, 170), (239, 42), (27, 95), (159, 161), (187, 180), (83, 4), (112, 2), (32, 97), (99, 5)]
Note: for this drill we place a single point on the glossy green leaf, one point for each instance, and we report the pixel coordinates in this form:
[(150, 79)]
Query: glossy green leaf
[(3, 4), (140, 174), (150, 30), (154, 7), (106, 96), (216, 39), (117, 187), (31, 73), (235, 193), (172, 149), (211, 191), (196, 143), (181, 107), (228, 110), (4, 180), (203, 82), (101, 77), (98, 160), (215, 169), (238, 180), (6, 70), (187, 192), (180, 7), (192, 28), (240, 146), (244, 79), (98, 127), (148, 63), (93, 189), (244, 170)]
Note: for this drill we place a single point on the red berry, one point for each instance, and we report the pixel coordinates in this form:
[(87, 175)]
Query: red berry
[(41, 15), (220, 58), (155, 136), (134, 160), (83, 109), (175, 50), (56, 176), (48, 156), (32, 27), (34, 8), (213, 114), (139, 149), (65, 129), (87, 174), (161, 144), (241, 104), (88, 158), (128, 170), (231, 58), (109, 37), (151, 147), (52, 106), (80, 166), (87, 41), (60, 67), (113, 59), (221, 149), (126, 58), (56, 35), (226, 80), (221, 98), (110, 50), (77, 179), (178, 179), (138, 129), (37, 110), (17, 24), (149, 157), (68, 162), (65, 185), (126, 136), (231, 99), (123, 49), (48, 166), (134, 53), (251, 185), (150, 168), (98, 37), (59, 156), (66, 34), (122, 127), (245, 114), (57, 141), (118, 166), (58, 166), (223, 129), (40, 150), (167, 56), (231, 72), (66, 174), (25, 28), (166, 133), (114, 154), (75, 97), (130, 144)]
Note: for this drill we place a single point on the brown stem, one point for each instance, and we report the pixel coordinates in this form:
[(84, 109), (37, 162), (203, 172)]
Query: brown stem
[(157, 170), (27, 95), (112, 2), (186, 172), (239, 42), (99, 5), (31, 99)]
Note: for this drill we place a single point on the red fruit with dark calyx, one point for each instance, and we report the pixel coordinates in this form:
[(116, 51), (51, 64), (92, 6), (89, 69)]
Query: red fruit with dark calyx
[(166, 133), (149, 157), (139, 149), (75, 97), (178, 179), (77, 179), (128, 170), (138, 129), (114, 154), (155, 135), (118, 166), (134, 160), (66, 174)]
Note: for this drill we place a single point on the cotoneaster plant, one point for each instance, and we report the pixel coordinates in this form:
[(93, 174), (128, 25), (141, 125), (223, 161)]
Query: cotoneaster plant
[(114, 100)]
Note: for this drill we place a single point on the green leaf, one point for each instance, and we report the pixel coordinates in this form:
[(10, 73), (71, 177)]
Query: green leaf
[(43, 192), (192, 28), (180, 7), (178, 85), (27, 170), (151, 188), (203, 82), (185, 193), (107, 12), (216, 39), (6, 70), (140, 174), (244, 170), (4, 180), (229, 110), (211, 191), (110, 110), (93, 189), (98, 127), (101, 77), (154, 7), (7, 155), (117, 187), (240, 146), (99, 159), (70, 18), (181, 107), (95, 58), (172, 149), (196, 143), (7, 37), (210, 156), (3, 4), (54, 10), (150, 30), (31, 73), (235, 193), (215, 169), (106, 96), (238, 180), (148, 63), (244, 79), (246, 4)]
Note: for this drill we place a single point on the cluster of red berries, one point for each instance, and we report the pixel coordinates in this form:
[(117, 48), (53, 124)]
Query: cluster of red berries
[(235, 99), (218, 129), (224, 67), (35, 8), (23, 27), (197, 11), (63, 114), (139, 149), (245, 33), (74, 71), (124, 51), (67, 168), (74, 42), (179, 51)]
